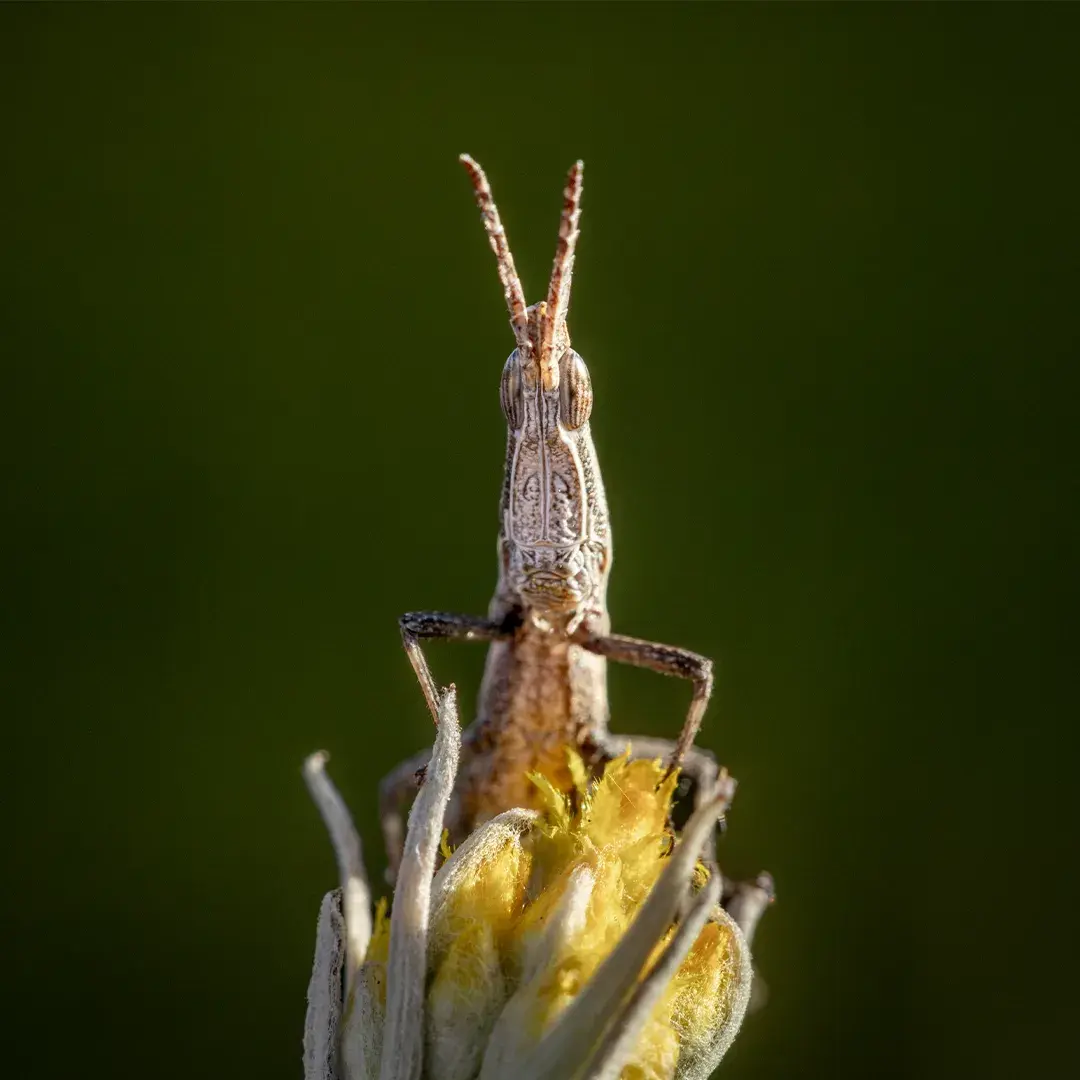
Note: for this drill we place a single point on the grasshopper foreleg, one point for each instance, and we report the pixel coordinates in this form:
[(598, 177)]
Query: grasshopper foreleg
[(400, 784), (668, 660), (417, 625)]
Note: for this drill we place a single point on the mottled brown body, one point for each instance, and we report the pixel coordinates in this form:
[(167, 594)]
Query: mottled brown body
[(545, 681), (541, 695)]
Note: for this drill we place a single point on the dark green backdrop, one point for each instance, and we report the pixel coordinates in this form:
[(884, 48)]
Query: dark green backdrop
[(252, 336)]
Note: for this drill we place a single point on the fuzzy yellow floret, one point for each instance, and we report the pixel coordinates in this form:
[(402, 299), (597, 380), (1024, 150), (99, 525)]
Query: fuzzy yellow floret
[(495, 960), (618, 829)]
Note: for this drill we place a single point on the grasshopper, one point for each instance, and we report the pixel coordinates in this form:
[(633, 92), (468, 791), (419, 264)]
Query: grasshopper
[(545, 680)]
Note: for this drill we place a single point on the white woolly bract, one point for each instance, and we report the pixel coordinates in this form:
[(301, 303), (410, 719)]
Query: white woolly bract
[(355, 894), (322, 1027), (362, 1028), (406, 969)]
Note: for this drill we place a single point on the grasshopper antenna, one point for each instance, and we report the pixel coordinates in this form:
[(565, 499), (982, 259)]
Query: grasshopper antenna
[(558, 297), (508, 275)]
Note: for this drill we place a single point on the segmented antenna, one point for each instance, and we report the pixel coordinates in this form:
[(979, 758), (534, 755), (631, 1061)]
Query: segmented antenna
[(558, 297), (511, 283)]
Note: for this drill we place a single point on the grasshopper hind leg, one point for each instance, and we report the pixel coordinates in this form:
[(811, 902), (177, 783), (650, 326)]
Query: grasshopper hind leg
[(396, 791)]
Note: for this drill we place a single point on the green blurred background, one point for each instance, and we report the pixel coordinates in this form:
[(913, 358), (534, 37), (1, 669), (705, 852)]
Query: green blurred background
[(252, 336)]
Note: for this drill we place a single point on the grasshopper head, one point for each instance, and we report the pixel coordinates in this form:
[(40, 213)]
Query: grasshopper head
[(555, 544), (555, 558)]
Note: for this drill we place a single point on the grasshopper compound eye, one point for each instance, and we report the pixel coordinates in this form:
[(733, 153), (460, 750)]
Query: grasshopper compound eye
[(511, 391), (575, 391)]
